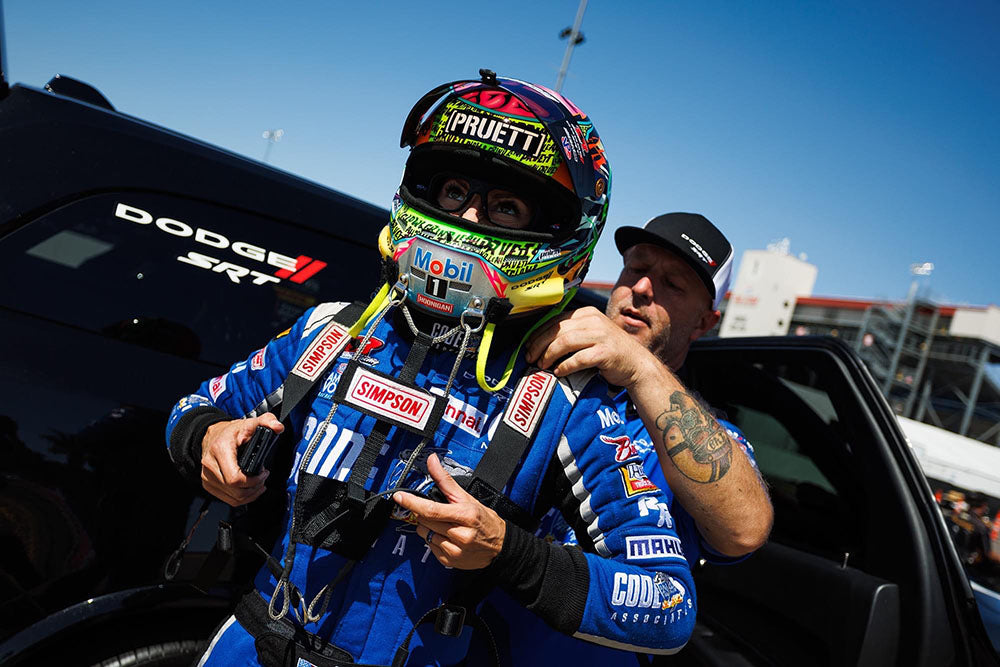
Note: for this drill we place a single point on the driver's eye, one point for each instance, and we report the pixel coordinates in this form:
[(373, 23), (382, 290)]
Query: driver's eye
[(509, 207), (453, 193), (509, 210)]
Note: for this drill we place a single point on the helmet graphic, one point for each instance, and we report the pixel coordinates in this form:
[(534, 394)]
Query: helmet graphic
[(534, 165)]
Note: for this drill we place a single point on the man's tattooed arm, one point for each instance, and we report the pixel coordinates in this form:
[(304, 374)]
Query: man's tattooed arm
[(694, 440)]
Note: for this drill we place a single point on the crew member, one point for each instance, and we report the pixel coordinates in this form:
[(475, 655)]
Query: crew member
[(676, 270)]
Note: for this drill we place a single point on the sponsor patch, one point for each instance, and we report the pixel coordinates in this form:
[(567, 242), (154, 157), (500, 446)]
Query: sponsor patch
[(635, 481), (463, 415), (528, 403), (649, 506), (659, 591), (646, 547), (384, 397), (257, 360), (434, 304), (524, 139), (192, 401), (609, 416), (624, 449), (216, 386), (374, 343), (644, 446), (330, 383), (327, 345)]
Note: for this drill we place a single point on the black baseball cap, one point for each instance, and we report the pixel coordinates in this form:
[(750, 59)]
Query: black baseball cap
[(695, 239)]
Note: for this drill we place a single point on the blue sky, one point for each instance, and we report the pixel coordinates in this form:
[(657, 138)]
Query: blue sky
[(866, 132)]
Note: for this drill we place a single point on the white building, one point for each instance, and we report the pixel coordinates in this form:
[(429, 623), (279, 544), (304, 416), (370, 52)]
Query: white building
[(763, 296)]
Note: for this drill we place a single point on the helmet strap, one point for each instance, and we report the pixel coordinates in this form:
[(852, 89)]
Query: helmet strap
[(484, 346), (377, 305)]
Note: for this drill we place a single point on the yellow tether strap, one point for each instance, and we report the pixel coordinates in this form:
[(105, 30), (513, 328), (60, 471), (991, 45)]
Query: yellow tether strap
[(377, 305), (484, 346)]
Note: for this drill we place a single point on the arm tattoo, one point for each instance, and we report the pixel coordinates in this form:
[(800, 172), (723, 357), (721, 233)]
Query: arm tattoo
[(697, 444)]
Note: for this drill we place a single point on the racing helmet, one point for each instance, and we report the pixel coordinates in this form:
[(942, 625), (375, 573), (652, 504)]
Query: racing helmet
[(494, 137)]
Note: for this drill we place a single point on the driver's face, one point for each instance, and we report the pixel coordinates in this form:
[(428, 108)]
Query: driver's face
[(483, 203)]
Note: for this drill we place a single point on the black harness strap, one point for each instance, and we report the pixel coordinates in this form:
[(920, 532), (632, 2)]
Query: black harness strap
[(283, 642), (516, 430), (296, 387), (255, 454), (345, 517), (323, 351), (376, 439)]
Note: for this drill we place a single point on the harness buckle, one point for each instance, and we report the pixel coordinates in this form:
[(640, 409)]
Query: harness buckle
[(450, 620)]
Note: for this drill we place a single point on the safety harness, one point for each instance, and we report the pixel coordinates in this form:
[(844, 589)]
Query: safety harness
[(345, 518)]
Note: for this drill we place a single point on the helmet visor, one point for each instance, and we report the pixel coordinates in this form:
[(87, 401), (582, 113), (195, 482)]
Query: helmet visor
[(498, 204), (455, 183)]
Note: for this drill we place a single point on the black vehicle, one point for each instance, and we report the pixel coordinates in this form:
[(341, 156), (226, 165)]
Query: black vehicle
[(136, 262), (860, 568)]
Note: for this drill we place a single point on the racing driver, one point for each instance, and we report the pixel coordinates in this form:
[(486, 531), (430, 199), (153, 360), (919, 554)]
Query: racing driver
[(426, 449)]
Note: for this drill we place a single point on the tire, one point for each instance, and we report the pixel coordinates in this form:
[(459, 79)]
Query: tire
[(168, 654)]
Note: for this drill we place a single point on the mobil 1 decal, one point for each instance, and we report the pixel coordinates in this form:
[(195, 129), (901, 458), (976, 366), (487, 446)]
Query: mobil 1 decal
[(442, 272), (514, 258)]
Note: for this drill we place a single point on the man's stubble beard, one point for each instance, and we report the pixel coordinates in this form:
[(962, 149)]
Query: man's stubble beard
[(657, 343)]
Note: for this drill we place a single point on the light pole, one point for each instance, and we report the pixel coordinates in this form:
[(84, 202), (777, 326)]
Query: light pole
[(575, 37), (272, 137)]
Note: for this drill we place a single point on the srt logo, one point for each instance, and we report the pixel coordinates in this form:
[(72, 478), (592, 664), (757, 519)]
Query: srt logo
[(297, 269)]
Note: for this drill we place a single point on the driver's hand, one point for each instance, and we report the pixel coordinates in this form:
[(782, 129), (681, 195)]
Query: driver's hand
[(220, 474)]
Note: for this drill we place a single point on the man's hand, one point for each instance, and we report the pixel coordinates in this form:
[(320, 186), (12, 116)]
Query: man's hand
[(588, 339), (461, 533), (220, 474)]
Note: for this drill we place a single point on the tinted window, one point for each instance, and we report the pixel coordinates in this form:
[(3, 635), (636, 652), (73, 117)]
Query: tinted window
[(181, 276), (94, 293), (789, 414)]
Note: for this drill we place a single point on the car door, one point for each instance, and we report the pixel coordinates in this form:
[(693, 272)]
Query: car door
[(859, 568)]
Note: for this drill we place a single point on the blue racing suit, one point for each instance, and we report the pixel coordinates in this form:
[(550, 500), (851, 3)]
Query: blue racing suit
[(526, 639), (628, 587)]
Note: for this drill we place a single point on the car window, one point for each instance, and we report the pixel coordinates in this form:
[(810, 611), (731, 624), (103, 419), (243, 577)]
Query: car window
[(789, 414), (779, 455), (181, 276)]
